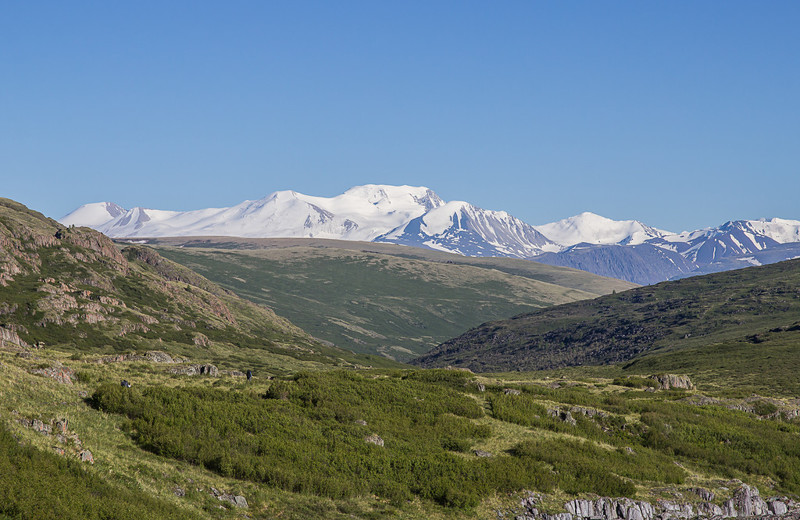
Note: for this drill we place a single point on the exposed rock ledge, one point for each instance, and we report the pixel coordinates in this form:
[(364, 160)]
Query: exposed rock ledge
[(745, 503)]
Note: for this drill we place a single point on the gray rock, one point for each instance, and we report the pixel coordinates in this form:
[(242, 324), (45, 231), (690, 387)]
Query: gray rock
[(709, 509), (511, 391), (374, 439), (777, 507), (481, 453), (703, 493), (179, 491), (86, 456), (668, 381)]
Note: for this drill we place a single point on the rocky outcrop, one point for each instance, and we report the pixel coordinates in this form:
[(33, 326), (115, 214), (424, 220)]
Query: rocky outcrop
[(237, 500), (196, 370), (201, 340), (153, 356), (374, 439), (10, 340), (57, 371), (669, 381), (745, 503)]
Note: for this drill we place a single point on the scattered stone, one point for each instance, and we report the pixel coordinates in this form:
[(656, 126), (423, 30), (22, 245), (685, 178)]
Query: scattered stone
[(481, 453), (125, 383), (374, 439), (237, 500), (86, 456), (360, 422), (703, 493), (201, 340), (511, 391), (179, 491), (668, 381), (194, 370), (61, 426), (629, 450), (58, 372), (59, 450), (565, 416)]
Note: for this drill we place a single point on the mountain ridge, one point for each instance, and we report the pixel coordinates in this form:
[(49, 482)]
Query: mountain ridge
[(417, 216)]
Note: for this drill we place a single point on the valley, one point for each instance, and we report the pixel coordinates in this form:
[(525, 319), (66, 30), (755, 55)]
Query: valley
[(124, 386), (394, 301)]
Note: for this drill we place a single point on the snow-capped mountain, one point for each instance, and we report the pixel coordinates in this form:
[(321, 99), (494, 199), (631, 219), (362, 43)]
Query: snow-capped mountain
[(93, 215), (361, 213), (589, 228), (664, 255), (460, 227), (399, 214), (416, 216)]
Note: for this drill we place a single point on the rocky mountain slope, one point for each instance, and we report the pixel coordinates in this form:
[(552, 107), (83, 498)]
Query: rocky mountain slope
[(416, 216), (692, 313), (74, 288)]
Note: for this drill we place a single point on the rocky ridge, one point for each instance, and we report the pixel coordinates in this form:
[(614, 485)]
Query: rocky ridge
[(745, 502)]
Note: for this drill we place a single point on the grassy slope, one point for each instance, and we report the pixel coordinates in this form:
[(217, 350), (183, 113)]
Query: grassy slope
[(375, 302), (430, 424), (686, 315), (73, 288)]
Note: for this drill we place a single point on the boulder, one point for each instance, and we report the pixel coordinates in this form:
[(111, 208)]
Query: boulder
[(61, 426), (668, 381), (511, 391), (374, 439), (86, 456), (777, 507), (58, 372)]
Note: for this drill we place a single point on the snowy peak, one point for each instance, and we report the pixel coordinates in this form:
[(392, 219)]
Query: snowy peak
[(460, 227), (93, 214), (361, 213), (590, 228), (780, 230), (416, 216)]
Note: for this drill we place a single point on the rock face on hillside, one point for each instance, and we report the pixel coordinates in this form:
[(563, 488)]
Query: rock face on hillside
[(669, 381), (745, 503), (74, 287)]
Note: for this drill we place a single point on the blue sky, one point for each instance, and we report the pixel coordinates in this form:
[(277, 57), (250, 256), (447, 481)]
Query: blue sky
[(682, 114)]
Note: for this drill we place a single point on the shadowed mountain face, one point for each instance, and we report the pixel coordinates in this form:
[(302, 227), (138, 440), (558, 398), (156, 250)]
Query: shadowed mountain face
[(616, 328)]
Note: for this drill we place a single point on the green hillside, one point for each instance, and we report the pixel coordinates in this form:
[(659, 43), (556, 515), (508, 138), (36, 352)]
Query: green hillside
[(674, 320), (324, 433), (378, 298), (73, 288)]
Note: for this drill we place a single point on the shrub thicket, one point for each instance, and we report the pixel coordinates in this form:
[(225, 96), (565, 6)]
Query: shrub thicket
[(307, 435), (38, 485)]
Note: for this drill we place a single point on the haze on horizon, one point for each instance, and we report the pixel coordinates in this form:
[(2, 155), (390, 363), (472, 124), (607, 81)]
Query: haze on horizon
[(680, 115)]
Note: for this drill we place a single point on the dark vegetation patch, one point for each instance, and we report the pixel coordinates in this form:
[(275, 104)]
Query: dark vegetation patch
[(37, 485), (749, 305)]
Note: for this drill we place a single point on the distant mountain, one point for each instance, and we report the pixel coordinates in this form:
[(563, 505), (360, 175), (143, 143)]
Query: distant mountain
[(93, 215), (460, 227), (589, 228), (416, 216), (398, 214)]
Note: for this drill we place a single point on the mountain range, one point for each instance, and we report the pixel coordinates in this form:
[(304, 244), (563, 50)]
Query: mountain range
[(416, 216)]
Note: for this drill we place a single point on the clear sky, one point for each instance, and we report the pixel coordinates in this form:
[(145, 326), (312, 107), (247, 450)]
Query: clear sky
[(682, 114)]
